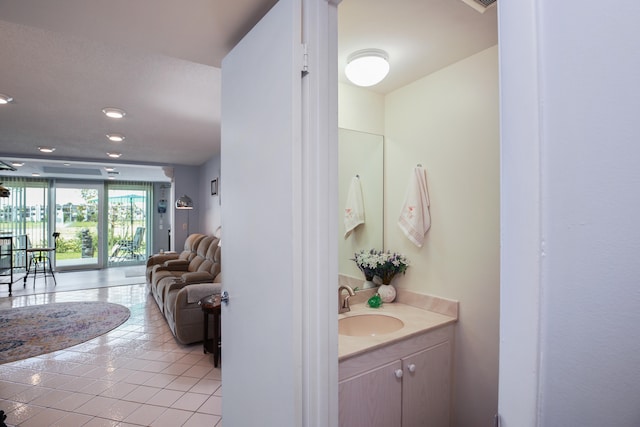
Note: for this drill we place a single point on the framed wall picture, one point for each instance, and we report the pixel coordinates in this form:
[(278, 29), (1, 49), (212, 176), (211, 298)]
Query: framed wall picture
[(214, 187)]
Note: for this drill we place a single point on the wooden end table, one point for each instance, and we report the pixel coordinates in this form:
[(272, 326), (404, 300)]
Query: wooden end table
[(211, 307)]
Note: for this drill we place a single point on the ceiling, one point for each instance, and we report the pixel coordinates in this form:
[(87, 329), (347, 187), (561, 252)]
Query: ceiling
[(159, 60)]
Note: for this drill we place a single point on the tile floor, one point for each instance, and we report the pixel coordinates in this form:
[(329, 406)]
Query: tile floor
[(135, 375)]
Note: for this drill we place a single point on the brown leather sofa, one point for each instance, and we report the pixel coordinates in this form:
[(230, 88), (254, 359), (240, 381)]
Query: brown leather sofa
[(187, 254), (178, 285)]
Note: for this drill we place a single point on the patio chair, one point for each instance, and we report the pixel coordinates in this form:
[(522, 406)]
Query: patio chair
[(128, 249)]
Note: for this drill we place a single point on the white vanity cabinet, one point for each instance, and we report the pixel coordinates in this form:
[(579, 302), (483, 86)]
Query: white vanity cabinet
[(406, 383)]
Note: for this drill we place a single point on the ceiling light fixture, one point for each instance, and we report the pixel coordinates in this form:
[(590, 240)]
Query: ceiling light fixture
[(47, 149), (109, 169), (367, 67), (35, 174), (115, 137), (17, 164), (114, 113), (114, 155), (5, 99)]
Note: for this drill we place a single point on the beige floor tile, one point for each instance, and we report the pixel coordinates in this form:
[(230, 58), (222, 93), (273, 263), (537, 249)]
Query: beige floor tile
[(119, 410), (72, 402), (119, 390), (190, 401), (213, 405), (160, 380), (44, 418), (183, 383), (144, 415), (47, 400), (96, 405), (165, 398), (206, 386), (172, 418), (22, 414), (141, 394), (101, 422), (200, 420), (71, 419)]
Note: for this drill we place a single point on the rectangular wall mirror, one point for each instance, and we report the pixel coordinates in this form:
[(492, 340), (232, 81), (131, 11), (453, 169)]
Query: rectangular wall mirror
[(360, 154)]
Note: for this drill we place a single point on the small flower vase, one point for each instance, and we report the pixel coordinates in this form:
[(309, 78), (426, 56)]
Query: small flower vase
[(386, 290), (387, 293)]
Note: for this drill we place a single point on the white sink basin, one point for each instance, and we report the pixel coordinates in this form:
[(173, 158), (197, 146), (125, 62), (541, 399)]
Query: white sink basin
[(368, 325)]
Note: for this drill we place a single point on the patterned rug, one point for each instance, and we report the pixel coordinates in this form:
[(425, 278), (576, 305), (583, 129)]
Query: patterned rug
[(39, 329)]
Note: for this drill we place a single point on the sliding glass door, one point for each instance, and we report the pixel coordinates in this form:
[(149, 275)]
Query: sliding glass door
[(128, 216), (78, 219), (100, 224)]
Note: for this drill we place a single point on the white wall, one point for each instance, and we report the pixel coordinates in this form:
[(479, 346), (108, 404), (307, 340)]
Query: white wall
[(360, 109), (186, 180), (211, 205), (448, 122), (585, 180)]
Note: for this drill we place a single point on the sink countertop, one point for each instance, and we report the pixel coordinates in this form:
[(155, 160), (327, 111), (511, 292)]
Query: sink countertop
[(416, 321)]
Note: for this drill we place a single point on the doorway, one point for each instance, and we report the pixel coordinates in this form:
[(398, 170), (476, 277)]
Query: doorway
[(77, 219), (127, 223), (101, 224)]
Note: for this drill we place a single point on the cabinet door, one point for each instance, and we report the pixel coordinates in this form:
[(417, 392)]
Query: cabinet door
[(372, 399), (426, 387)]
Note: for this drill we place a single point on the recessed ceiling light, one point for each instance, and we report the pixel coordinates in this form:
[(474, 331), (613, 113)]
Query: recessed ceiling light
[(367, 67), (17, 164), (35, 174), (115, 137), (114, 113), (111, 177), (109, 169), (5, 99), (66, 164), (114, 155), (47, 149)]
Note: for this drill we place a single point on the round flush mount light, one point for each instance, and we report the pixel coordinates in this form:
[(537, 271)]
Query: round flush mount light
[(114, 113), (114, 155), (367, 67), (5, 99), (115, 137), (46, 149)]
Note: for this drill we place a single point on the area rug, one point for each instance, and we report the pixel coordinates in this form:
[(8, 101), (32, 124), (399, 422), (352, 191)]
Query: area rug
[(39, 329)]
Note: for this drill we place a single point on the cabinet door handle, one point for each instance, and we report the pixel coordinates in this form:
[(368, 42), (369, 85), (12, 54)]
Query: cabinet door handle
[(398, 373), (411, 367)]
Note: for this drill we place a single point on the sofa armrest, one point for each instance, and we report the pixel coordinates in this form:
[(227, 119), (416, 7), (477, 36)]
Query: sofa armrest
[(196, 277), (176, 265), (193, 293), (160, 259)]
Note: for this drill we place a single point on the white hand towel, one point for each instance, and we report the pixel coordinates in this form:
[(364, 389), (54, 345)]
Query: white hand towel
[(415, 219), (354, 207)]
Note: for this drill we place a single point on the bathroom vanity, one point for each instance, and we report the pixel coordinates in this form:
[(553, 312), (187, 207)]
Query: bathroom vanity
[(396, 371)]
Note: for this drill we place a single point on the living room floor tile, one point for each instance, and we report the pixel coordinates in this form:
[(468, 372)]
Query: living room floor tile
[(137, 374)]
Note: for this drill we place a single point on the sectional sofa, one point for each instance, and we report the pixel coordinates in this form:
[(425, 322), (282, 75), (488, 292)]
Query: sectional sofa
[(178, 281)]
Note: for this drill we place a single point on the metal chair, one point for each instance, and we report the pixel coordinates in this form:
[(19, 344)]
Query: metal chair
[(41, 257), (128, 249)]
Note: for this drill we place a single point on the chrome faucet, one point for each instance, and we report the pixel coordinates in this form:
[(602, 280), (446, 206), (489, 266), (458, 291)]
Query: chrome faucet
[(343, 303)]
